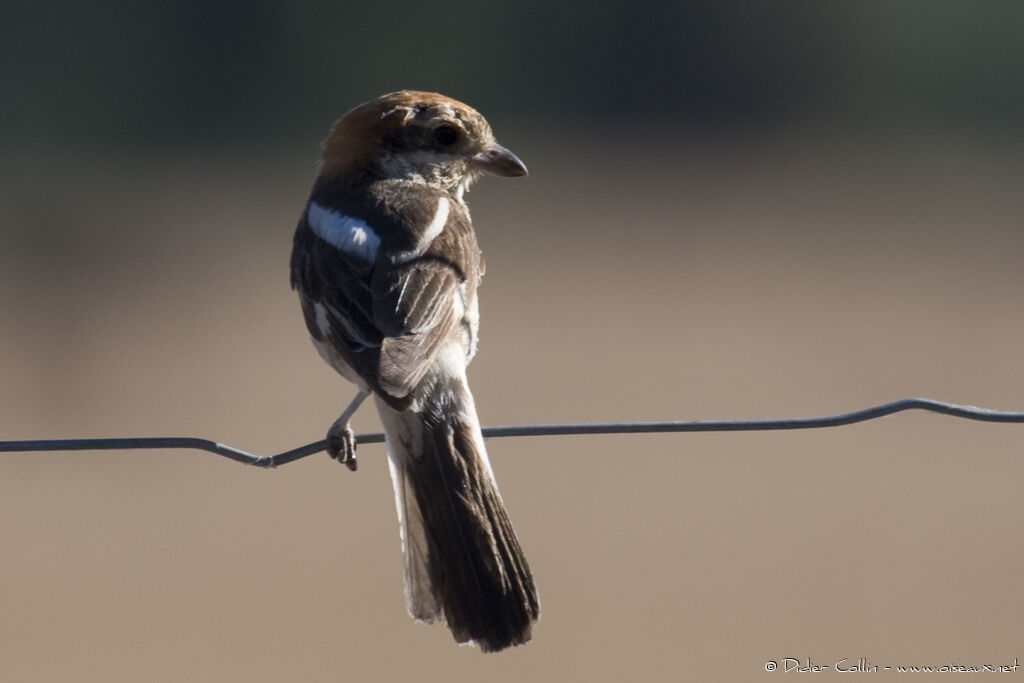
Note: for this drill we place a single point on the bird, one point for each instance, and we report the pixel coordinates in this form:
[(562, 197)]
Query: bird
[(386, 265)]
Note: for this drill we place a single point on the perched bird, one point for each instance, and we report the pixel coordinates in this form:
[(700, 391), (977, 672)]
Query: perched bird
[(386, 265)]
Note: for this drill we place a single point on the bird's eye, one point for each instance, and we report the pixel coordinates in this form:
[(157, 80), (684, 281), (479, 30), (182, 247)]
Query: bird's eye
[(446, 135)]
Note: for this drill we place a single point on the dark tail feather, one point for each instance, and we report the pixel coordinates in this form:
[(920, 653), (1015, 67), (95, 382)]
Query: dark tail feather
[(463, 560)]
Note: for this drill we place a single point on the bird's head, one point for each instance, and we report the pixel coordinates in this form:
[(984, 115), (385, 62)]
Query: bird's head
[(416, 136)]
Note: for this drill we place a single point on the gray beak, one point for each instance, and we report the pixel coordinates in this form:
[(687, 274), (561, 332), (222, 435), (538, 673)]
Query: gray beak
[(497, 160)]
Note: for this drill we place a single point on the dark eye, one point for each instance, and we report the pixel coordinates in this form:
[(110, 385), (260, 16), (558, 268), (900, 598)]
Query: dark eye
[(446, 135)]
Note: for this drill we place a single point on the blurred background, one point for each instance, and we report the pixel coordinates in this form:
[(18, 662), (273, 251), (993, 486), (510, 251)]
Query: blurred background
[(735, 210)]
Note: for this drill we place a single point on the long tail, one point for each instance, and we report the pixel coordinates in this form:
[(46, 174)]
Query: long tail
[(463, 563)]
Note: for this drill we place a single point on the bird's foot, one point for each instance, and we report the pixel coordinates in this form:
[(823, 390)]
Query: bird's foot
[(341, 444)]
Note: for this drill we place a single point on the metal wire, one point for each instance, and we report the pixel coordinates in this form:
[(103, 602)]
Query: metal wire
[(149, 443)]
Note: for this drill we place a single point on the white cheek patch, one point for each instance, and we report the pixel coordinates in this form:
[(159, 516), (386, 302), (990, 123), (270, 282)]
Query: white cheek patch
[(352, 235)]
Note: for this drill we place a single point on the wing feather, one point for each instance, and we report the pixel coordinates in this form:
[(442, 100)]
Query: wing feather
[(388, 319)]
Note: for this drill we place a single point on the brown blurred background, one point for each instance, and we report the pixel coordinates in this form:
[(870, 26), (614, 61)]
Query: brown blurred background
[(733, 212)]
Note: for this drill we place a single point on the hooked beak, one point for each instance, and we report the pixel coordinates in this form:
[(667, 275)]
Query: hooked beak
[(497, 160)]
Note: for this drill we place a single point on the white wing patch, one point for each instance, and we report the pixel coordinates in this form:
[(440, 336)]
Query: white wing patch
[(436, 225), (431, 232), (352, 235)]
